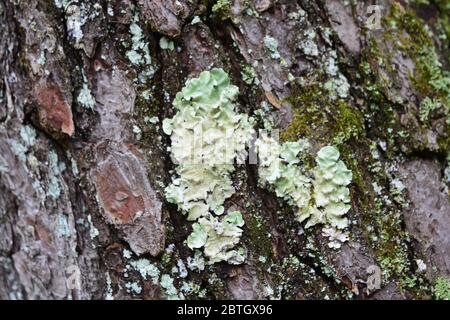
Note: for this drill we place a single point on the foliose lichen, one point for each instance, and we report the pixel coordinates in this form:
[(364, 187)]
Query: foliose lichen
[(219, 237), (331, 194), (166, 44), (207, 137), (278, 167), (146, 269), (139, 53)]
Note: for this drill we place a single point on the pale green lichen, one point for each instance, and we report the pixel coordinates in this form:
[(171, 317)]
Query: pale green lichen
[(249, 75), (64, 229), (191, 288), (331, 194), (195, 20), (272, 44), (219, 237), (109, 291), (28, 135), (54, 190), (308, 45), (62, 4), (126, 253), (279, 167), (151, 120), (297, 15), (75, 19), (207, 137), (335, 236), (85, 97), (137, 132), (133, 287), (338, 87), (18, 149), (73, 164), (169, 288), (182, 271), (166, 44), (93, 231)]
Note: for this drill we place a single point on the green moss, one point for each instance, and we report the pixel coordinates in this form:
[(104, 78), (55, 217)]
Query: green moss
[(222, 9), (349, 123), (413, 37), (323, 119), (380, 113), (331, 195), (349, 158), (258, 231), (389, 240), (441, 289)]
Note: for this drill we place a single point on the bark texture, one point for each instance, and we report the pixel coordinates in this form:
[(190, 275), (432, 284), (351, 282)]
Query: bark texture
[(85, 85)]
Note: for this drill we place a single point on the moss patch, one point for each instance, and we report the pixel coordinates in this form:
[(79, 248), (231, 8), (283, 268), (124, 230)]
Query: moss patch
[(321, 119)]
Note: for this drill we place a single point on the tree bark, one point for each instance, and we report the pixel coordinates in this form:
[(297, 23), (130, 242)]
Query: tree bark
[(84, 87)]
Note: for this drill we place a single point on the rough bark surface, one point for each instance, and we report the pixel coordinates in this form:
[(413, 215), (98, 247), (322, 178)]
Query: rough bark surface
[(85, 85)]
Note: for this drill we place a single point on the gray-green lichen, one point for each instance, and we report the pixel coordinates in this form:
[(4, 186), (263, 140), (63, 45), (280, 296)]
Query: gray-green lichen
[(279, 167), (133, 287), (54, 190), (219, 237), (93, 231), (78, 14), (28, 135), (249, 75), (272, 44), (169, 288), (166, 44), (146, 269), (308, 45), (85, 97), (197, 262), (109, 291), (207, 137), (139, 53), (331, 194)]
